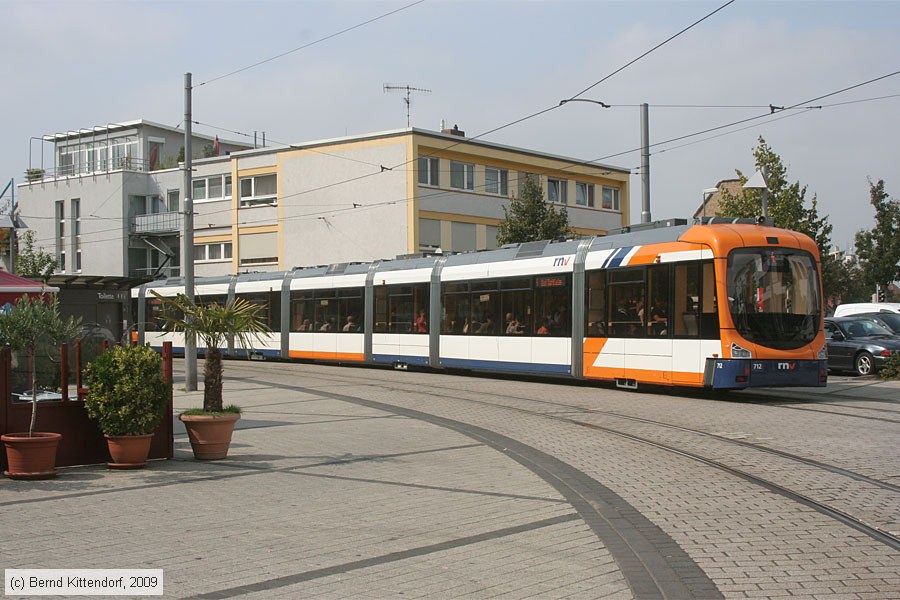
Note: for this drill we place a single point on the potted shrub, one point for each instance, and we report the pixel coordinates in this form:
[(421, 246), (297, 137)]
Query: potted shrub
[(126, 395), (29, 325), (210, 428)]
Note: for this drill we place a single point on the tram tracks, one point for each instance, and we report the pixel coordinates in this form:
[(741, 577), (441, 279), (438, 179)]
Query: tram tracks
[(848, 494)]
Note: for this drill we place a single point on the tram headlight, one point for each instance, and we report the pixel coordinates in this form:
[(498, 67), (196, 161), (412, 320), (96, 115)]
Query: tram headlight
[(739, 352), (822, 354)]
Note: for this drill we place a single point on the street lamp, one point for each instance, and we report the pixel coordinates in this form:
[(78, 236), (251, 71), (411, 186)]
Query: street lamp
[(758, 182), (645, 153)]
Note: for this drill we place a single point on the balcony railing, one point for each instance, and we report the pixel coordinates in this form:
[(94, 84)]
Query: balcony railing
[(157, 223), (34, 175), (163, 273)]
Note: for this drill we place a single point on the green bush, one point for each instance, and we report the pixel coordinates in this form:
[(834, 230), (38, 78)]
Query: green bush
[(127, 390), (891, 368)]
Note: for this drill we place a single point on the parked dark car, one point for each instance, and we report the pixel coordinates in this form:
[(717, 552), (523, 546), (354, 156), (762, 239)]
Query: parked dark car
[(887, 319), (858, 344)]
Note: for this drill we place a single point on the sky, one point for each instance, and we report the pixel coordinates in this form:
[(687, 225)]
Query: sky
[(308, 70)]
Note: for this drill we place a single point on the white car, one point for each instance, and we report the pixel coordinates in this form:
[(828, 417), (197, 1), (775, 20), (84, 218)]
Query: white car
[(866, 307)]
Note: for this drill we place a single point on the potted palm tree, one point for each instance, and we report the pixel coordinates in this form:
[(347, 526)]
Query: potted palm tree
[(29, 325), (210, 428), (127, 393)]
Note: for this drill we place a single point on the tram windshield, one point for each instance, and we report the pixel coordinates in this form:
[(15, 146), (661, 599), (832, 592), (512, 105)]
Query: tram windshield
[(774, 297)]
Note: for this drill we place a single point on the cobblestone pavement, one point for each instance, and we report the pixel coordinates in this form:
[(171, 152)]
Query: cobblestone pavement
[(364, 483)]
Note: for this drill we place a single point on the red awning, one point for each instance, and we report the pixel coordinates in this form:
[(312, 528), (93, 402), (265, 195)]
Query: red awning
[(14, 283)]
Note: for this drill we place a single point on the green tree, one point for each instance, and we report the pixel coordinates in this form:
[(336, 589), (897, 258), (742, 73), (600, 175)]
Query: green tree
[(786, 203), (879, 248), (33, 324), (531, 218), (34, 263), (847, 281), (214, 324)]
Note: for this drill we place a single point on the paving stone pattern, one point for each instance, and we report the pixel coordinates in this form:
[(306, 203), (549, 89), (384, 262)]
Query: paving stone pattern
[(362, 483)]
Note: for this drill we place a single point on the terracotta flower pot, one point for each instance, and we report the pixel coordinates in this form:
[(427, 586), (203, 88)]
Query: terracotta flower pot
[(210, 435), (31, 457), (128, 451)]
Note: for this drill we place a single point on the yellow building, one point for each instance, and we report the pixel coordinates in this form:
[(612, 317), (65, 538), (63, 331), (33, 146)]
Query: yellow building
[(386, 194)]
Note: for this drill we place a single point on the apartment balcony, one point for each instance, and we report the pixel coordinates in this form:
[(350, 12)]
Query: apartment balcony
[(37, 174), (157, 223)]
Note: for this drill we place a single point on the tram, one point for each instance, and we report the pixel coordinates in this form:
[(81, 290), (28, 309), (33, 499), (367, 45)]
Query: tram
[(722, 304)]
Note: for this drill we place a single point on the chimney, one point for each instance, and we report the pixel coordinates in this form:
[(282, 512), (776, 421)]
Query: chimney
[(455, 131)]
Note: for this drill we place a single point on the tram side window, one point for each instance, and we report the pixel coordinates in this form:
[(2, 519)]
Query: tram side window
[(595, 304), (155, 320), (350, 310), (302, 311), (685, 315), (627, 313), (381, 309), (210, 299), (270, 311), (657, 309), (326, 315), (421, 302), (485, 305), (709, 314), (516, 306), (399, 308), (552, 299), (455, 312)]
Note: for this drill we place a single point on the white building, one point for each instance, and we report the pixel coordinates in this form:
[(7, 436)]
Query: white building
[(112, 203)]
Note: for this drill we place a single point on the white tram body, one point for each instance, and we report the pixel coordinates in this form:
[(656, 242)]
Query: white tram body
[(718, 304)]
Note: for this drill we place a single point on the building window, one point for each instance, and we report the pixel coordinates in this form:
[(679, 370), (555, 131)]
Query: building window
[(172, 200), (66, 161), (462, 175), (218, 251), (76, 232), (61, 235), (611, 198), (428, 171), (496, 181), (216, 187), (584, 194), (124, 152), (556, 190), (259, 190)]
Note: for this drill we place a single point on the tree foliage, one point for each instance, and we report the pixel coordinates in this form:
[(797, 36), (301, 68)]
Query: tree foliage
[(127, 390), (879, 248), (34, 263), (214, 324), (787, 208), (531, 218), (32, 324)]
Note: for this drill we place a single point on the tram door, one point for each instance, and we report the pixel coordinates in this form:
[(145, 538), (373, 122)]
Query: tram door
[(694, 304)]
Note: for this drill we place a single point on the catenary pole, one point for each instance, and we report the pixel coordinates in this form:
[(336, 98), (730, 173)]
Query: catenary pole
[(645, 163), (187, 240)]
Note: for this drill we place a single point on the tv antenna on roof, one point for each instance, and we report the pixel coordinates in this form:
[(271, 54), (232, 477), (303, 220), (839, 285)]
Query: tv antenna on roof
[(404, 88)]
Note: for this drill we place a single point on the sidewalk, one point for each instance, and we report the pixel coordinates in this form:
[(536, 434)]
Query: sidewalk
[(324, 498), (318, 499)]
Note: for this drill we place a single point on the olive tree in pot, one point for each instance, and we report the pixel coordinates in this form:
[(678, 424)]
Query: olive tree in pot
[(126, 397), (29, 325), (210, 428)]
